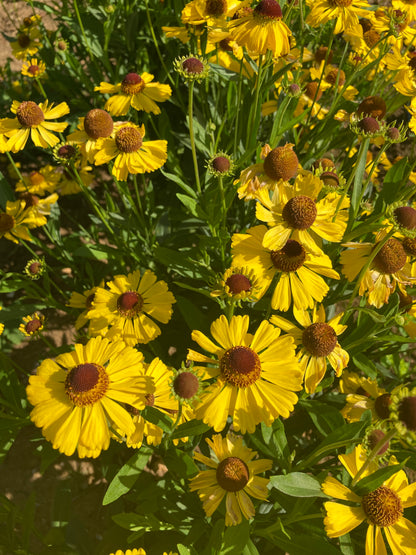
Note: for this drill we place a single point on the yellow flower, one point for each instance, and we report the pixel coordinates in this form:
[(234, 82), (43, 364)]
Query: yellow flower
[(160, 399), (255, 375), (298, 269), (136, 91), (139, 551), (131, 307), (16, 221), (389, 267), (27, 43), (318, 342), (31, 122), (97, 125), (40, 208), (213, 12), (380, 509), (233, 476), (346, 13), (408, 6), (38, 182), (33, 68), (32, 325), (68, 183), (131, 153), (1, 324), (84, 301), (294, 212), (363, 394), (79, 395), (262, 29), (240, 284), (329, 75)]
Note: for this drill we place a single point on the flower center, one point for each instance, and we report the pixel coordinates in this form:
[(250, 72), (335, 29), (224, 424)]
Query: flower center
[(409, 245), (192, 65), (221, 164), (330, 179), (29, 199), (369, 125), (33, 326), (406, 216), (89, 300), (132, 84), (33, 70), (382, 506), (407, 412), (320, 54), (391, 257), (371, 38), (281, 163), (29, 114), (36, 178), (372, 106), (66, 151), (23, 40), (225, 45), (128, 139), (6, 222), (129, 304), (149, 400), (332, 77), (412, 61), (216, 7), (185, 385), (34, 268), (312, 91), (238, 283), (86, 384), (340, 3), (382, 404), (319, 339), (300, 212), (290, 258), (268, 8), (240, 366), (232, 474), (98, 123)]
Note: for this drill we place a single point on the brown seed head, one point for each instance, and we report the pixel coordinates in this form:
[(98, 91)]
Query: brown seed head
[(312, 92), (132, 84), (391, 257), (33, 326), (281, 163), (240, 366), (238, 283), (290, 258), (369, 125), (406, 216), (333, 75), (192, 65), (128, 139), (382, 406), (382, 506), (185, 385), (29, 114), (300, 212), (221, 164), (330, 179), (319, 339), (6, 222), (407, 412), (98, 123), (216, 8), (232, 474), (268, 8), (373, 106), (320, 55)]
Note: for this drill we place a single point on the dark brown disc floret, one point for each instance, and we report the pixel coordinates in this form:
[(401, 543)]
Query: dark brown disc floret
[(98, 124), (29, 114), (232, 474), (290, 258), (391, 257), (319, 339), (300, 212)]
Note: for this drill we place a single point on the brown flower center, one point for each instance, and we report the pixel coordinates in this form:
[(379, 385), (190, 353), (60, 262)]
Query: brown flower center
[(268, 8), (186, 385), (330, 179), (232, 474), (312, 91), (406, 216), (240, 366), (369, 125), (192, 65), (23, 40), (128, 139), (409, 245), (132, 84), (320, 54), (34, 268), (407, 412), (149, 400), (340, 3), (98, 123), (382, 406), (238, 283), (281, 163), (412, 61), (371, 38), (300, 212), (391, 257), (66, 151), (33, 326), (29, 199), (290, 258), (29, 114), (33, 69), (319, 339), (216, 8), (6, 222), (332, 76), (221, 164), (372, 106), (225, 45), (382, 506), (86, 384), (129, 304), (89, 300)]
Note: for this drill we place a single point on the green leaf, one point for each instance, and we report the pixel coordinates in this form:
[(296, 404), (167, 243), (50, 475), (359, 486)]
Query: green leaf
[(394, 180), (87, 251), (190, 203), (365, 364), (301, 544), (250, 549), (6, 192), (126, 477), (325, 417), (372, 482), (191, 428), (178, 462), (158, 418), (275, 438), (235, 538), (181, 183), (297, 484)]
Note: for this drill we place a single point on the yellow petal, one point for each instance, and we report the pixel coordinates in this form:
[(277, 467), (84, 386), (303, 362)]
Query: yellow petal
[(341, 519)]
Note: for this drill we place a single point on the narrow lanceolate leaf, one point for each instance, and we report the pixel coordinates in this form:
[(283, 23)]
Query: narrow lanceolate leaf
[(376, 479), (125, 479)]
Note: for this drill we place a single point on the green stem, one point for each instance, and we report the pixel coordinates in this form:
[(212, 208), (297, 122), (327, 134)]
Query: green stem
[(191, 134), (175, 425), (238, 103), (383, 441), (42, 90), (152, 32), (254, 107)]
